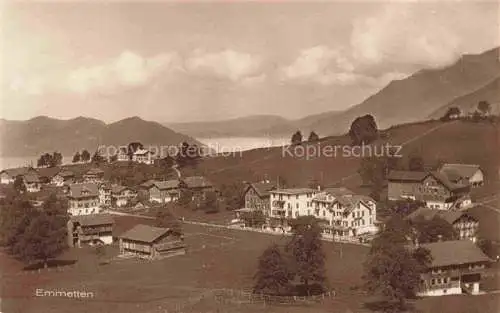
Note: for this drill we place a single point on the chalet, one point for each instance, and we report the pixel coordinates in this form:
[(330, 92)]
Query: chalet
[(121, 195), (257, 196), (164, 191), (199, 185), (32, 182), (346, 214), (94, 175), (434, 188), (105, 195), (465, 225), (83, 199), (8, 176), (90, 230), (456, 268), (143, 156), (151, 242), (47, 173), (63, 177), (470, 173), (143, 189)]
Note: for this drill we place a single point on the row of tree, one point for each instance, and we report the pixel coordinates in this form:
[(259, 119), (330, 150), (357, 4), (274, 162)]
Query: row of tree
[(297, 137), (483, 109), (50, 160)]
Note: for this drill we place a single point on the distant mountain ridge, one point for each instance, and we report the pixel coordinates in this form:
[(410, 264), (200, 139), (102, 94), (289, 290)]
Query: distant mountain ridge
[(423, 94), (44, 134)]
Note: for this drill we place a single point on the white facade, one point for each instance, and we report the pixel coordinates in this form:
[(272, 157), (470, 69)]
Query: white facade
[(5, 179), (142, 156), (292, 203)]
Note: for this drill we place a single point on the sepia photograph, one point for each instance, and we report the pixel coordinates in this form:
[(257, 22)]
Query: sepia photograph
[(250, 156)]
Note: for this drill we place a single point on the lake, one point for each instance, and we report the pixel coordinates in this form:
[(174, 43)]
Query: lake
[(223, 144)]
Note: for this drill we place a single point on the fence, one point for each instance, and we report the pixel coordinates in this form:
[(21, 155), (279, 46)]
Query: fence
[(225, 296)]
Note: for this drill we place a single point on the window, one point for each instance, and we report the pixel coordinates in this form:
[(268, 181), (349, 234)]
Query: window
[(296, 205), (308, 212), (296, 213), (324, 213), (297, 197)]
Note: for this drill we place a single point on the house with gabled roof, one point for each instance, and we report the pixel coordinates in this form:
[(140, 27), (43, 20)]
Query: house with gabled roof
[(32, 182), (95, 229), (143, 156), (83, 199), (466, 226), (47, 173), (434, 188), (456, 267), (472, 173), (94, 175), (8, 176), (257, 195), (346, 214), (150, 242), (164, 191), (291, 202), (62, 177), (122, 195)]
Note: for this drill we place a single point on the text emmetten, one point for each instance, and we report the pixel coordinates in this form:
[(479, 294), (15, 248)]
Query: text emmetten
[(63, 293)]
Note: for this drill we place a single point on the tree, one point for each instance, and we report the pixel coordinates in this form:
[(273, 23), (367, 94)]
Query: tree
[(43, 239), (272, 275), (306, 249), (186, 198), (98, 158), (56, 159), (484, 107), (416, 163), (76, 157), (188, 155), (15, 215), (373, 172), (363, 130), (19, 185), (296, 138), (232, 195), (432, 230), (45, 160), (85, 156), (167, 219), (392, 269), (313, 137), (210, 203), (451, 113), (487, 246), (133, 147)]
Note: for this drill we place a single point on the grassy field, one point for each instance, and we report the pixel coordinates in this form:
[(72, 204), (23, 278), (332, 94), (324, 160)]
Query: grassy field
[(216, 258)]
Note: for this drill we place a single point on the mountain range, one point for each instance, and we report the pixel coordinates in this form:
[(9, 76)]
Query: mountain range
[(44, 134), (426, 94)]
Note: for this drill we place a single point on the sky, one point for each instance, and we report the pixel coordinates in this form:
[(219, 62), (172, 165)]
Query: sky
[(180, 62)]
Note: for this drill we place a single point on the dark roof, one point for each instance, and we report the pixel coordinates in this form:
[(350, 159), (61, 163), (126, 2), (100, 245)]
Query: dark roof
[(92, 219), (450, 185), (167, 184), (66, 173), (31, 178), (455, 252), (197, 182), (94, 171), (144, 233), (119, 189), (407, 176), (461, 170), (148, 183), (48, 172), (14, 172), (294, 191), (262, 188), (76, 190), (428, 214)]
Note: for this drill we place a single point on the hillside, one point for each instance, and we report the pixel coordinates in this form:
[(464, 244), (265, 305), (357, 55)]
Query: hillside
[(468, 103), (419, 95), (249, 126), (44, 134), (453, 142)]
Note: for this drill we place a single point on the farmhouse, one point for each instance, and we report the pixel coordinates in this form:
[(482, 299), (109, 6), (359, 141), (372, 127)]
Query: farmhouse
[(32, 182), (90, 230), (346, 213), (257, 196), (143, 189), (151, 242), (465, 225), (434, 188), (47, 173), (164, 191), (63, 177), (198, 185), (83, 199), (470, 173), (123, 154), (94, 175), (456, 268), (121, 195), (8, 176), (143, 156)]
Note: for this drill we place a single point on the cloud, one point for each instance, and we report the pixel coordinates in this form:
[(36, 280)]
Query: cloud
[(229, 64), (126, 70)]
